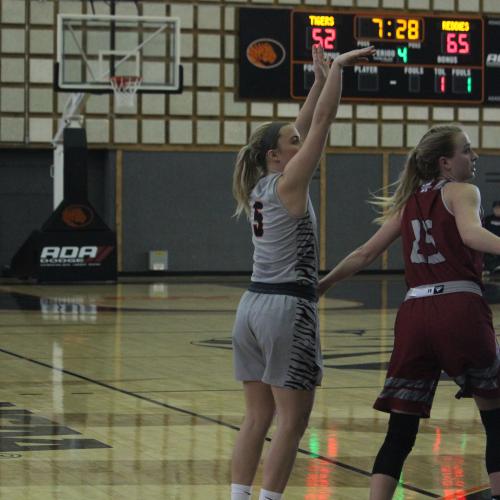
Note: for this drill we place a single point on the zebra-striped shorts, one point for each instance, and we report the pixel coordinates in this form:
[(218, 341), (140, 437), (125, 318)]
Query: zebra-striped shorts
[(276, 341)]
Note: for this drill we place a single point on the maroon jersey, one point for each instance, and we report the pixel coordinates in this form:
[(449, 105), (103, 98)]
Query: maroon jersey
[(432, 247)]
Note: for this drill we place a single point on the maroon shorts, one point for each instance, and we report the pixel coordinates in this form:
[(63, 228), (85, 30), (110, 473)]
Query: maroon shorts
[(451, 332)]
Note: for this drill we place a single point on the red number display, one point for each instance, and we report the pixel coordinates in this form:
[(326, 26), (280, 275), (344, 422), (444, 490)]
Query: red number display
[(442, 84), (325, 41), (457, 43)]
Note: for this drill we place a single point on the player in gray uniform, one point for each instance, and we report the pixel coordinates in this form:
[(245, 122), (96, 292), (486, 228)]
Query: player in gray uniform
[(275, 337), (283, 293)]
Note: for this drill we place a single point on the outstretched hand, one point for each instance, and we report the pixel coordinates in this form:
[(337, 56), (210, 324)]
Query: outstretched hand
[(320, 64), (354, 56)]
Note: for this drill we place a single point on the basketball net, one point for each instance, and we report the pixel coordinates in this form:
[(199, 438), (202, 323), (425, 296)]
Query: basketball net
[(125, 89)]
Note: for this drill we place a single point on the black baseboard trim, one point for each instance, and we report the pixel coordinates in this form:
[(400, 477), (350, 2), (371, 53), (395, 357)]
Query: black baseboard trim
[(166, 274)]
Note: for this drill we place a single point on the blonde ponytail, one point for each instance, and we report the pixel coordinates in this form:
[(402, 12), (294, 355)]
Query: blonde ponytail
[(250, 163), (248, 170)]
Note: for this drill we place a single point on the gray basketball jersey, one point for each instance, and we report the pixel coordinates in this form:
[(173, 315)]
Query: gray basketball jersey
[(285, 247)]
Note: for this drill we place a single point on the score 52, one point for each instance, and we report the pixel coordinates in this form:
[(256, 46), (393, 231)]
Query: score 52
[(322, 31)]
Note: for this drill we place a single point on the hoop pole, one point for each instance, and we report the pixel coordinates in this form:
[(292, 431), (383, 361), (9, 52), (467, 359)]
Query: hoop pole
[(58, 175), (112, 40)]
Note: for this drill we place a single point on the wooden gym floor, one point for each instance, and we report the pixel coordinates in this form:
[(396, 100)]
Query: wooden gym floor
[(126, 392)]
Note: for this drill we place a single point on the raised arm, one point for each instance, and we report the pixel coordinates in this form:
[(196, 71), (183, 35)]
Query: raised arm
[(364, 255), (464, 201), (293, 185), (320, 65)]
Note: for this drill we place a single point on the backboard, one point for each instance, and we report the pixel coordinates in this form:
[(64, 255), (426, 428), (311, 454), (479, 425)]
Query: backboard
[(93, 48)]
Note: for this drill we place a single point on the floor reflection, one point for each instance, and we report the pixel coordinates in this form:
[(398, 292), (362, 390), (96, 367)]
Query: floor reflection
[(127, 391)]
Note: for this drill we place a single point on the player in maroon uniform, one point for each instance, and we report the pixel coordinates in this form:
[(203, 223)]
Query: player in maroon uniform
[(444, 322)]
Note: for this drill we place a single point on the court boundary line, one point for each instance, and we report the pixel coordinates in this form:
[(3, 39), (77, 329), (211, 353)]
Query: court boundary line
[(303, 451)]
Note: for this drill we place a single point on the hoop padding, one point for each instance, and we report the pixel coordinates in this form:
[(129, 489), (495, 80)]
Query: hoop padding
[(125, 89)]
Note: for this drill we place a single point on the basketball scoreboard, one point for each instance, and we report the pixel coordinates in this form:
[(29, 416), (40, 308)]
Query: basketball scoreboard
[(419, 57)]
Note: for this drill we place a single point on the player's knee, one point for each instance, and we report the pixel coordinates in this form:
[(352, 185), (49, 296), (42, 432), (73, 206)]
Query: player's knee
[(294, 424), (259, 420), (491, 422), (302, 423), (399, 441)]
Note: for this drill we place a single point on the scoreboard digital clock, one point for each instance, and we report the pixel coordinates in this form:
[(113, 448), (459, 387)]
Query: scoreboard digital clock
[(396, 29), (419, 57)]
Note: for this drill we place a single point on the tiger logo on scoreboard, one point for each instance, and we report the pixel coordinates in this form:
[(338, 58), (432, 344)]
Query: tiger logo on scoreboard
[(266, 53), (77, 216)]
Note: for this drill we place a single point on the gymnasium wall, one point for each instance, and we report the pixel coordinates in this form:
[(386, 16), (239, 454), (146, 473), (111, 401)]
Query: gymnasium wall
[(181, 202), (178, 150)]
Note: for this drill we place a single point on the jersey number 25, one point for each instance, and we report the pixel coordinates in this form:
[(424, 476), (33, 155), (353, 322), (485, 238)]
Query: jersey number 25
[(417, 257)]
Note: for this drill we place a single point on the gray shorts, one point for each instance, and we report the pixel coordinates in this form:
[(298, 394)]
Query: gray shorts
[(276, 341)]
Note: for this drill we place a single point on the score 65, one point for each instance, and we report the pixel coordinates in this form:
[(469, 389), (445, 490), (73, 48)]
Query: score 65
[(323, 36), (455, 43)]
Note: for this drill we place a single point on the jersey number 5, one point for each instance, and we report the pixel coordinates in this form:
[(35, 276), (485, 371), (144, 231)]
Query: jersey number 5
[(417, 257), (258, 226)]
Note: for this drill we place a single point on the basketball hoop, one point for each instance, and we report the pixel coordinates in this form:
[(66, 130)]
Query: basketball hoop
[(125, 89)]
